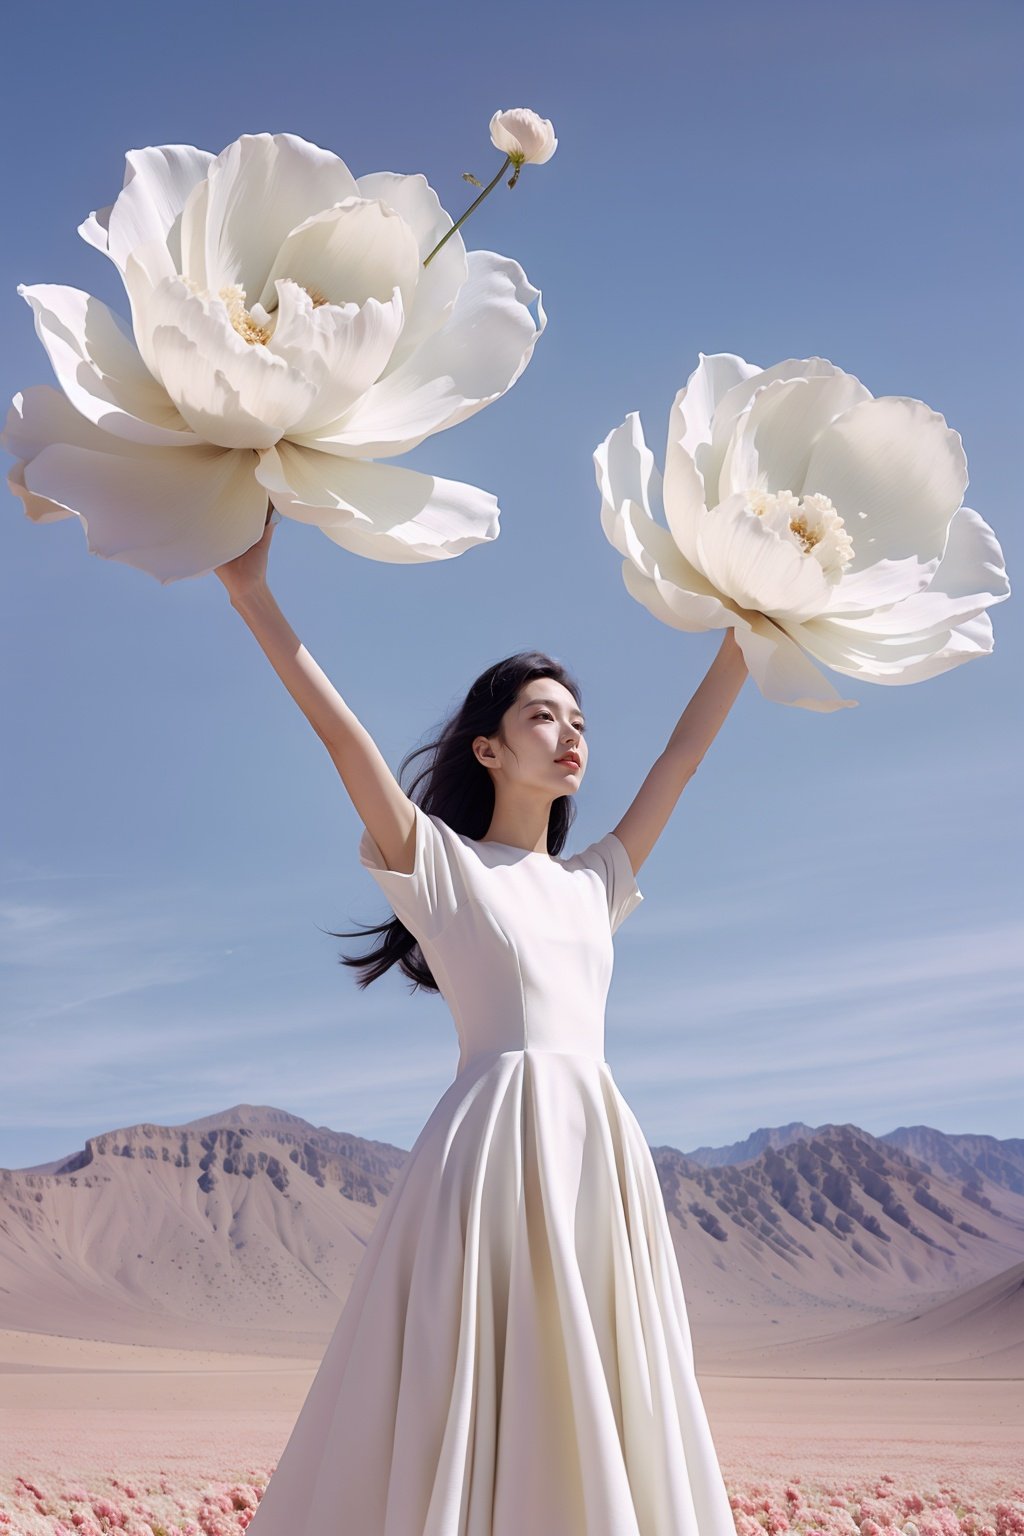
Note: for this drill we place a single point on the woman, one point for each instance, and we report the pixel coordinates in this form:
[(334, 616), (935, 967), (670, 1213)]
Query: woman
[(514, 1358)]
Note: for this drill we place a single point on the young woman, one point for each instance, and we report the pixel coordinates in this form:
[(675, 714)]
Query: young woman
[(514, 1358)]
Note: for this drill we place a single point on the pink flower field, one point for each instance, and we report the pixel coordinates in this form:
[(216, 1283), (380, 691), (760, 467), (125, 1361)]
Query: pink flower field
[(169, 1503)]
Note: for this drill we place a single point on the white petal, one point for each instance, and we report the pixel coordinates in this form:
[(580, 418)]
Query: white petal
[(771, 445), (173, 512), (734, 402), (230, 392), (896, 473), (651, 547), (145, 269), (473, 359), (897, 659), (754, 566), (261, 187), (886, 582), (95, 230), (689, 443), (631, 496), (684, 488), (378, 510), (98, 365), (345, 255), (157, 182), (693, 411), (972, 561), (341, 350), (626, 476), (438, 285), (682, 610), (38, 508), (193, 262), (643, 589), (781, 670), (419, 206), (37, 418), (21, 437), (970, 576), (931, 631), (695, 605), (43, 415)]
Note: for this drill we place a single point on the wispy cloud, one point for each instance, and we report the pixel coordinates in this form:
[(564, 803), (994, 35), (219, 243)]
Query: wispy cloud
[(904, 976), (877, 1032), (59, 957), (162, 1005)]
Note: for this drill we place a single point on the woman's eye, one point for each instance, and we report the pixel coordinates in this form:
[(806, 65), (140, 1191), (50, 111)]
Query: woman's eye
[(546, 715)]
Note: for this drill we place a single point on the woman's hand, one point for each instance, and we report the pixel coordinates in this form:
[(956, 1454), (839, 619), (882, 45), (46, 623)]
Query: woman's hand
[(248, 572)]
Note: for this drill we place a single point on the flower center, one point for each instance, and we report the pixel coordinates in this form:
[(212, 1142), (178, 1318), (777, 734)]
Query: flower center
[(255, 329), (811, 523), (249, 329)]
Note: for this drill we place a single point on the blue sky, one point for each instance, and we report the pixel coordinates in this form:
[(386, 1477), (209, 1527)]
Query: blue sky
[(832, 926)]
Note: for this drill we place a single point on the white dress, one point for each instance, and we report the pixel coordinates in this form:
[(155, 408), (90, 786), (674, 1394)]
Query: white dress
[(514, 1357)]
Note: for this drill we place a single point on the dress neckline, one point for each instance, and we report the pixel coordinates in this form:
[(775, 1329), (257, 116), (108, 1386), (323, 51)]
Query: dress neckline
[(531, 853)]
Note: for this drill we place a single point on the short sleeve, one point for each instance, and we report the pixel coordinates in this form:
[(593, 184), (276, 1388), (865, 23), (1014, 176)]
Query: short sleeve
[(426, 899), (608, 857)]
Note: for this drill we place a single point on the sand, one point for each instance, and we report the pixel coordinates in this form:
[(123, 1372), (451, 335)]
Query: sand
[(86, 1404)]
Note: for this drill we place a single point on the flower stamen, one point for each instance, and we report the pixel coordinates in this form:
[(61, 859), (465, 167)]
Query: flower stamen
[(249, 329), (811, 523), (808, 537)]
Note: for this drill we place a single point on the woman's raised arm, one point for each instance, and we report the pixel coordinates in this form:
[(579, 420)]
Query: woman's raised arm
[(383, 806), (695, 730)]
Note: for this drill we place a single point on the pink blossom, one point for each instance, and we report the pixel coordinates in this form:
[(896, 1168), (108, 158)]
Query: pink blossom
[(170, 1503), (1009, 1519)]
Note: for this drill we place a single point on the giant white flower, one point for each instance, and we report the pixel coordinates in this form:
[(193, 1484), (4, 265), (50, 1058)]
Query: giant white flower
[(816, 520), (284, 335)]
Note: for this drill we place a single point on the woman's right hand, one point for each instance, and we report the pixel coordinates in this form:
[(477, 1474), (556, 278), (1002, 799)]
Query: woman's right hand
[(248, 572)]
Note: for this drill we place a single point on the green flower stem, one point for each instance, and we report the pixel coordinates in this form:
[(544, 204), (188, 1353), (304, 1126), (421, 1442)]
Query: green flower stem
[(474, 204)]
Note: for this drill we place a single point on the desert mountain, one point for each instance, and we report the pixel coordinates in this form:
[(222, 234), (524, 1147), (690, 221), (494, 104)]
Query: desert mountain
[(962, 1157), (966, 1158), (824, 1235), (752, 1146), (242, 1230)]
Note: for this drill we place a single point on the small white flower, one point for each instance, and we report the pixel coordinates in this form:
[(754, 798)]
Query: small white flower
[(526, 138), (812, 518)]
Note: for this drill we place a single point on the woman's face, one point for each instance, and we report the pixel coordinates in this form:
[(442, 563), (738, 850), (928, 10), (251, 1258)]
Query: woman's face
[(543, 725)]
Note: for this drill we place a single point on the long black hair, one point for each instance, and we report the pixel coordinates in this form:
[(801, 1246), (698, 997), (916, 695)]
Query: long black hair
[(459, 790)]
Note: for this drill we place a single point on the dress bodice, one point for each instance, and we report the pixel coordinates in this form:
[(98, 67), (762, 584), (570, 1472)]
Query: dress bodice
[(519, 943)]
